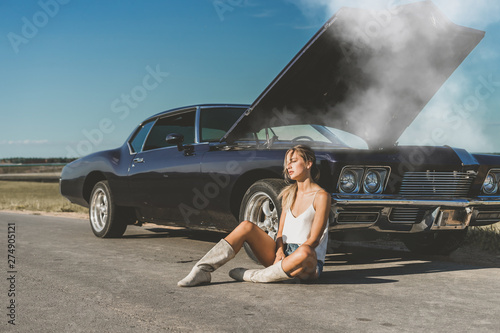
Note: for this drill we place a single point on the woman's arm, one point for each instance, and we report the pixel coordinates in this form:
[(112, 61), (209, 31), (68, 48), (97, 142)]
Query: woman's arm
[(280, 247), (322, 205)]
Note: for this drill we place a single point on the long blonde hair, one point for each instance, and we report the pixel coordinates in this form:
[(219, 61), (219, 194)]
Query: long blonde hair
[(289, 193)]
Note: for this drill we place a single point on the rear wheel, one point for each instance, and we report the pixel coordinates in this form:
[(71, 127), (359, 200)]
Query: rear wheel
[(442, 243), (106, 219), (260, 205)]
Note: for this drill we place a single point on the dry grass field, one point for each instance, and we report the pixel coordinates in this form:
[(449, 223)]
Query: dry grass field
[(30, 169), (35, 196), (485, 238)]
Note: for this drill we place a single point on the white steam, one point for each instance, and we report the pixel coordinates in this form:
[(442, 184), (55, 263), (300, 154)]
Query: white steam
[(456, 109)]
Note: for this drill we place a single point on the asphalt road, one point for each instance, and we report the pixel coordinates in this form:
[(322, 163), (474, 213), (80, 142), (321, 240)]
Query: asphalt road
[(67, 280)]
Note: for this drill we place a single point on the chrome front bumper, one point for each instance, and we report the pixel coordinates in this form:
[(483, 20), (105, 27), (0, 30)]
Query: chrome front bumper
[(388, 201), (377, 212)]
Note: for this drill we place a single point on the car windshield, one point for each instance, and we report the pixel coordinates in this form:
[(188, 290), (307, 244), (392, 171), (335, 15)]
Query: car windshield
[(317, 135)]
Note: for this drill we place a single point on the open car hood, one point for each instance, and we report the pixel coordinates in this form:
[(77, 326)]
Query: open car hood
[(368, 73)]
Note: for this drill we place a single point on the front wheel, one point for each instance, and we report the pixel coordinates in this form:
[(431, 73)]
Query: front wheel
[(441, 243), (106, 219), (260, 205)]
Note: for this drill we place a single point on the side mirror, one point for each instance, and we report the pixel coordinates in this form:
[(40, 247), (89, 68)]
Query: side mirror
[(175, 139)]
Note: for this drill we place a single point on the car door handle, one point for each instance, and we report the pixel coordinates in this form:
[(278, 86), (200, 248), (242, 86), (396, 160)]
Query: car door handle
[(138, 160)]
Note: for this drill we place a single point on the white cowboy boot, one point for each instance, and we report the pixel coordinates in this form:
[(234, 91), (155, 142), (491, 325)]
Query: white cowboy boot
[(273, 273), (221, 253)]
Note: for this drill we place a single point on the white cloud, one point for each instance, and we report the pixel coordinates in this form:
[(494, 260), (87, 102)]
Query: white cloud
[(474, 13), (264, 14), (477, 14), (324, 9)]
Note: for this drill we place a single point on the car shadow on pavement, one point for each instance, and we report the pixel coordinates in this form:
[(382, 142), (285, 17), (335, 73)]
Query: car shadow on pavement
[(347, 265), (373, 266), (174, 232)]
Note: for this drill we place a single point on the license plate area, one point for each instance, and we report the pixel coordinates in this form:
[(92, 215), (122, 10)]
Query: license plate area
[(453, 219)]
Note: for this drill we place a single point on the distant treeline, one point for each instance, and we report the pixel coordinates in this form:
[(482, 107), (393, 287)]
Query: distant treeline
[(35, 160)]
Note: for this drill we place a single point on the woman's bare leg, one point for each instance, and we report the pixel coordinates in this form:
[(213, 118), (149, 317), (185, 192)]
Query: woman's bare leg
[(301, 263), (263, 246)]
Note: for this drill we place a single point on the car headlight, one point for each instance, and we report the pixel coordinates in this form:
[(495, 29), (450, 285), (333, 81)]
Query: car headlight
[(349, 181), (490, 184), (372, 182), (363, 179)]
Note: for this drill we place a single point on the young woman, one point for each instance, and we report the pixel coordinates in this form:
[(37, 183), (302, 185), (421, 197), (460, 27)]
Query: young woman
[(300, 246)]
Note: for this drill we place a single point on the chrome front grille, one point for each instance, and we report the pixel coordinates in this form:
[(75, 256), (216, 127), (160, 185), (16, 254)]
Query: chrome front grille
[(436, 184)]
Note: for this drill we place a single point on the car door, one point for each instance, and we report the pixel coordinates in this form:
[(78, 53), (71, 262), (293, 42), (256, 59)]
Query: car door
[(161, 177)]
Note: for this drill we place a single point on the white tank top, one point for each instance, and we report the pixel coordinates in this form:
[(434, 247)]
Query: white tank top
[(298, 229)]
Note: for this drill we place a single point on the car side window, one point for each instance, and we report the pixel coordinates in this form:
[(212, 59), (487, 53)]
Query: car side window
[(183, 123), (138, 140), (215, 122)]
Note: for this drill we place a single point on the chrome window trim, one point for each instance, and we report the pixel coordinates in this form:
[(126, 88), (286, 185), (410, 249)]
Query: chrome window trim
[(174, 112), (132, 137), (167, 115), (197, 129)]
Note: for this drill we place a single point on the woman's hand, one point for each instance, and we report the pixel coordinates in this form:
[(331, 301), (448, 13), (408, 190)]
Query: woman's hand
[(280, 255)]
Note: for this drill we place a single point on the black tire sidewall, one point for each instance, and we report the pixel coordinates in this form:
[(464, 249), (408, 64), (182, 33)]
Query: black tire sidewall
[(272, 187), (112, 227)]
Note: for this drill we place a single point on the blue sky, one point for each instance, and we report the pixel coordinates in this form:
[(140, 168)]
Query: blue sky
[(78, 76)]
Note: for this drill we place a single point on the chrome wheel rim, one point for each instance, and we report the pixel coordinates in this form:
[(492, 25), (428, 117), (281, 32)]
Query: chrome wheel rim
[(262, 211), (99, 208)]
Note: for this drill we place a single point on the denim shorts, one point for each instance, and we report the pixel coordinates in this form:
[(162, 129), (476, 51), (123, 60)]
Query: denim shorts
[(290, 248)]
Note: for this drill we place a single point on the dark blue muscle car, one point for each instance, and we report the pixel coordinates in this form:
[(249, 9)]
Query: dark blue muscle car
[(349, 93)]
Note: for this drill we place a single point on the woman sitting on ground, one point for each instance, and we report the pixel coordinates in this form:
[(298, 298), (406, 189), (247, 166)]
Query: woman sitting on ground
[(300, 246)]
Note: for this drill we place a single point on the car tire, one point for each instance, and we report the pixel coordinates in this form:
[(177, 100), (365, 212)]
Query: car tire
[(438, 243), (106, 219), (260, 205)]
